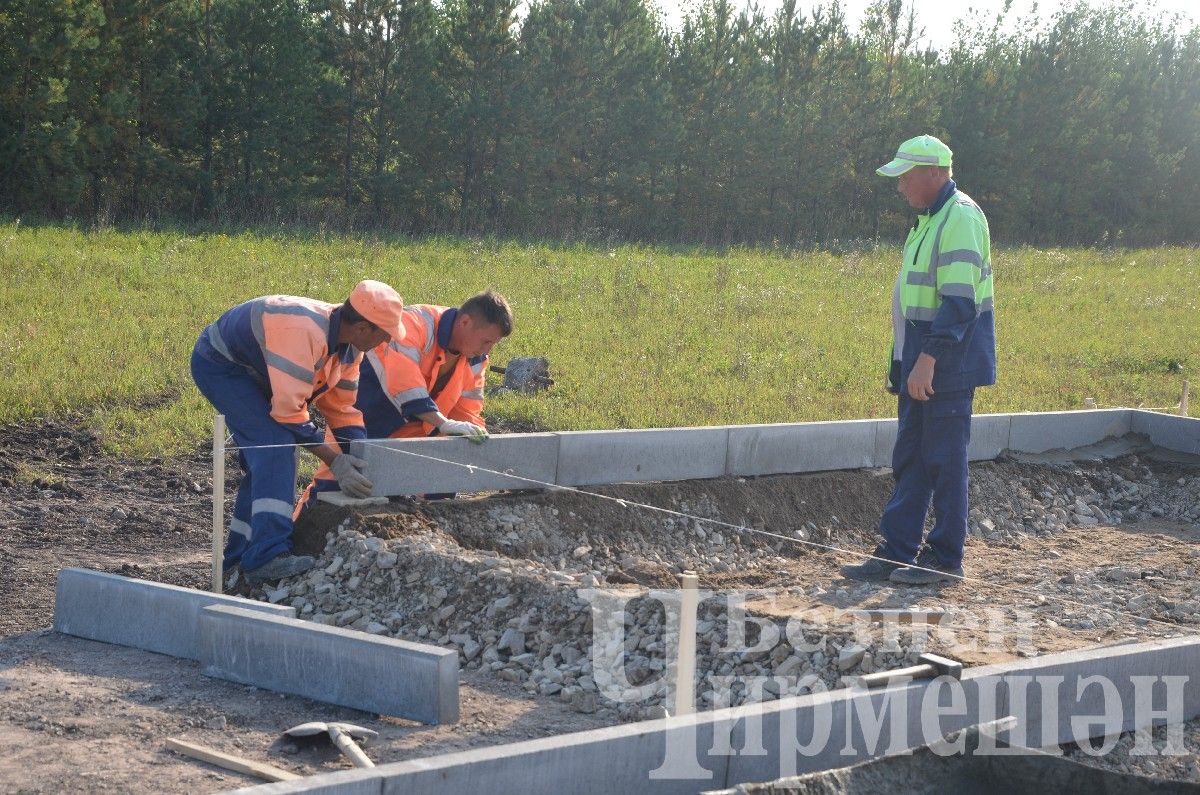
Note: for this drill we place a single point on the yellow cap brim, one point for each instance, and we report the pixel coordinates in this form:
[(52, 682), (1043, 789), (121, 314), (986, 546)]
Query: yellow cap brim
[(895, 168)]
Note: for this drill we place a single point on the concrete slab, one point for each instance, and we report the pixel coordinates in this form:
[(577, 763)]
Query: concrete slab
[(989, 436), (1181, 434), (614, 759), (342, 500), (885, 440), (140, 613), (365, 781), (591, 457), (338, 666), (415, 466), (801, 447), (1049, 695), (843, 727), (1065, 430)]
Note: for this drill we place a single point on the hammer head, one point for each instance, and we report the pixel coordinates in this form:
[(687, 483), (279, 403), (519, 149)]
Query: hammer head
[(319, 727), (944, 665)]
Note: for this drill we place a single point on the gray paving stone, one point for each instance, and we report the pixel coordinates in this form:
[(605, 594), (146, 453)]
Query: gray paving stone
[(338, 666), (1181, 434), (343, 500), (614, 759), (843, 727), (885, 441), (360, 781), (1066, 430), (801, 447), (1047, 694), (417, 470), (590, 457), (139, 613), (989, 436)]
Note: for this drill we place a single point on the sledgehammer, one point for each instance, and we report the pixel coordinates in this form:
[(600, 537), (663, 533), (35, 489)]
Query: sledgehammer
[(342, 734), (931, 666)]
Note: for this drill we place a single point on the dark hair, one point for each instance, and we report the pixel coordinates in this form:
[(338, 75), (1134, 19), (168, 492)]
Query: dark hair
[(350, 315), (490, 308)]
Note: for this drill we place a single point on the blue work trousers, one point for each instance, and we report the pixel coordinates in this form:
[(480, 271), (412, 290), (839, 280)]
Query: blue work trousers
[(929, 462), (262, 514)]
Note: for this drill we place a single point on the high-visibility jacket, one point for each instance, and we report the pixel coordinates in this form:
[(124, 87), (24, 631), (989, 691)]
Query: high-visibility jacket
[(943, 303), (289, 347), (399, 377)]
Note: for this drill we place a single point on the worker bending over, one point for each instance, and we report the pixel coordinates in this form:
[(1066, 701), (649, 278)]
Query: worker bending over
[(428, 382), (261, 364)]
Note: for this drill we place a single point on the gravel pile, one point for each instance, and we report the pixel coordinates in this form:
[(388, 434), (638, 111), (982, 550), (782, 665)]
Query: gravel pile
[(511, 585)]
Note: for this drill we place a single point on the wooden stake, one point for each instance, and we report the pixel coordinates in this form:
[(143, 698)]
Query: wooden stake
[(685, 661), (230, 762), (218, 519), (1183, 399)]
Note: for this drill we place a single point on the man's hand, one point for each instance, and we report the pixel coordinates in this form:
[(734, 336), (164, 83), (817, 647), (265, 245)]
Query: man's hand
[(348, 471), (473, 432), (920, 380)]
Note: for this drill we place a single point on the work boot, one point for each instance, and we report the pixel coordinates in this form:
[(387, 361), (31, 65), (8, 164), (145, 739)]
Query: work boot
[(870, 570), (930, 571), (285, 565)]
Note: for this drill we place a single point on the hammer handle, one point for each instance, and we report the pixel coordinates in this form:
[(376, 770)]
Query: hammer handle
[(923, 671), (347, 746)]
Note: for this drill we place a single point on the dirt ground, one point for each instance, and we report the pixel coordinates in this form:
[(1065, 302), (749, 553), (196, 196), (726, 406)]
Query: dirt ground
[(77, 715)]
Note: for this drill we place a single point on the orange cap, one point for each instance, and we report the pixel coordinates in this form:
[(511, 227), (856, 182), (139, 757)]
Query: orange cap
[(379, 304)]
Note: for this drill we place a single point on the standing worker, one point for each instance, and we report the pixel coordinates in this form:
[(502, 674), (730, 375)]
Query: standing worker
[(429, 382), (261, 364), (944, 346)]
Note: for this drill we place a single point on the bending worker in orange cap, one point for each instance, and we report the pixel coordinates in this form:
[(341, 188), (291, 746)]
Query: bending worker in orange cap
[(430, 381), (261, 364)]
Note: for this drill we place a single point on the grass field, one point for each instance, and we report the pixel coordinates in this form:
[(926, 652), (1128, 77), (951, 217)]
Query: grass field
[(102, 323)]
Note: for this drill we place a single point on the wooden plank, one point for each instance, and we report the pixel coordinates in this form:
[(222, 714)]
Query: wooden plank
[(230, 762)]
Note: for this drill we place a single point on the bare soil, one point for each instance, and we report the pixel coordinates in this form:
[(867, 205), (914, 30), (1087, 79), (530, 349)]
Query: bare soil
[(77, 715)]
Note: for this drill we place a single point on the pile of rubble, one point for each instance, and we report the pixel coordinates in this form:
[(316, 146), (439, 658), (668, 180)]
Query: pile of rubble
[(519, 585)]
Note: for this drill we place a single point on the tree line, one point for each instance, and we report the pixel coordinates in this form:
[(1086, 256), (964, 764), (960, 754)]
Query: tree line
[(590, 120)]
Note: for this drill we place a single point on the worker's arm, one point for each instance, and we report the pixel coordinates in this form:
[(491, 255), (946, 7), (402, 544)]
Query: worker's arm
[(337, 404), (469, 407)]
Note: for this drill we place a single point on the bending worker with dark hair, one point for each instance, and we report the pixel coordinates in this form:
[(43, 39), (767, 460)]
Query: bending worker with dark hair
[(261, 364), (429, 382)]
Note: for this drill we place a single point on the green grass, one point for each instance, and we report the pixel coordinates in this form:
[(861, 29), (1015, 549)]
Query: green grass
[(101, 324)]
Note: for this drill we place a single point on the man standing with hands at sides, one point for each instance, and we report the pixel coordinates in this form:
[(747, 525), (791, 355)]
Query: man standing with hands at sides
[(944, 346), (261, 364), (429, 382)]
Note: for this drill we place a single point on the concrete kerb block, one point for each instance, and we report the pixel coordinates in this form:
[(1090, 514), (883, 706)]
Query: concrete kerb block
[(885, 441), (655, 454), (402, 467), (338, 666), (1088, 688), (630, 758), (1171, 432), (843, 727), (364, 781), (801, 447), (145, 615), (990, 435), (1066, 430)]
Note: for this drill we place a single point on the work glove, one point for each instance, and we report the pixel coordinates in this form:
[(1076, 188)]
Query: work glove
[(348, 471), (475, 433)]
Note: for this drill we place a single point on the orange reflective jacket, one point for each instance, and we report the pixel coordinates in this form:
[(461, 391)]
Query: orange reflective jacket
[(399, 377), (289, 345)]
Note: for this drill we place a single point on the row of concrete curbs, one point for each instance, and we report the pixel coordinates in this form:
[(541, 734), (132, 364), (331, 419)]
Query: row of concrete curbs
[(262, 645)]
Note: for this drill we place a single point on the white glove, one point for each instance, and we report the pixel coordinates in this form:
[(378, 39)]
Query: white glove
[(475, 433), (348, 471)]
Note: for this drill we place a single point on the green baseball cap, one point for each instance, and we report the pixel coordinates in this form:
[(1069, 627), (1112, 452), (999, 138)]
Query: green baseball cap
[(924, 150)]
